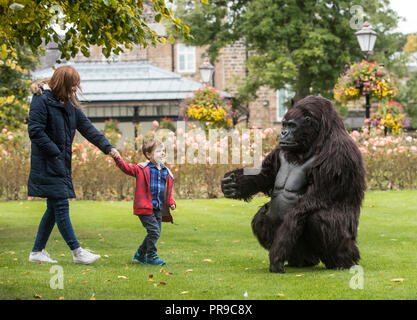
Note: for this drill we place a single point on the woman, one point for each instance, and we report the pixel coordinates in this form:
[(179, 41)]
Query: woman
[(55, 114)]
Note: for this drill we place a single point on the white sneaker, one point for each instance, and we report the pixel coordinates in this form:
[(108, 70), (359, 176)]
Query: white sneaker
[(41, 256), (84, 256)]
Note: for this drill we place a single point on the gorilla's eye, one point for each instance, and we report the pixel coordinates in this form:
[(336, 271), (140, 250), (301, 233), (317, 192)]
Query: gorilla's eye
[(307, 118)]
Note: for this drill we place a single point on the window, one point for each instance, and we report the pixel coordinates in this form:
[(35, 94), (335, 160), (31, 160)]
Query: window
[(185, 58), (284, 97)]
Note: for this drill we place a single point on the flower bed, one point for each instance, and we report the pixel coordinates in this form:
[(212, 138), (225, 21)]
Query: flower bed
[(391, 163)]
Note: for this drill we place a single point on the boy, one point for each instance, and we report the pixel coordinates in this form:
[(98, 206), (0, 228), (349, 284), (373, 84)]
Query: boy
[(153, 196)]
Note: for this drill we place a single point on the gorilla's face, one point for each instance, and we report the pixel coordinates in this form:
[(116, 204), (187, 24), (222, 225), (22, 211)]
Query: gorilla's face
[(297, 134)]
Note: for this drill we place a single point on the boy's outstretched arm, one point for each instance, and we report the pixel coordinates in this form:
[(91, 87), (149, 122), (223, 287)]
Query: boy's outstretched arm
[(130, 169)]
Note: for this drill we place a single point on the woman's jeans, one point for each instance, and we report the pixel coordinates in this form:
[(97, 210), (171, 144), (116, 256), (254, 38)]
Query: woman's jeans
[(57, 211)]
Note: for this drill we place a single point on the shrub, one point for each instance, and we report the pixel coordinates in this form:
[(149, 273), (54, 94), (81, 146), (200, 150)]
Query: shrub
[(390, 161)]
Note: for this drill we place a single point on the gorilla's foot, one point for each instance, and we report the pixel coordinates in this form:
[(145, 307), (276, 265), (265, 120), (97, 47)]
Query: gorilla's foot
[(277, 267)]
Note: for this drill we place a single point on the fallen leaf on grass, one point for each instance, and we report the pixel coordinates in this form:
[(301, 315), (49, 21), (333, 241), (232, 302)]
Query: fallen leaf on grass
[(281, 295), (151, 280), (150, 276), (61, 298), (397, 280), (122, 277), (162, 282), (188, 271), (299, 275), (62, 254), (84, 282), (184, 292), (208, 260), (245, 294), (37, 296)]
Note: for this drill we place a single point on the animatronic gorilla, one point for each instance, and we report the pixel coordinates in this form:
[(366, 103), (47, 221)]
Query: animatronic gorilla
[(316, 179)]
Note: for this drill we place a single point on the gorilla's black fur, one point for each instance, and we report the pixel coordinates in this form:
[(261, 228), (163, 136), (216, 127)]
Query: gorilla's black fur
[(322, 224)]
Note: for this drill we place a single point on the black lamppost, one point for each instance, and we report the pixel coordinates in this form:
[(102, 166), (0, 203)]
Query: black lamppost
[(366, 38)]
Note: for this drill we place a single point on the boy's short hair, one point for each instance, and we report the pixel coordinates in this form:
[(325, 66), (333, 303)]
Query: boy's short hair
[(149, 145)]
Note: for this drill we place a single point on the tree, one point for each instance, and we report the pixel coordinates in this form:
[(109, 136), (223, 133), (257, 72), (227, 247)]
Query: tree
[(305, 44), (14, 87), (411, 44), (107, 23)]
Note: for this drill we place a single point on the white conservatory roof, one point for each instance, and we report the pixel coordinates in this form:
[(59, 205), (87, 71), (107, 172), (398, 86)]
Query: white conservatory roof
[(128, 81)]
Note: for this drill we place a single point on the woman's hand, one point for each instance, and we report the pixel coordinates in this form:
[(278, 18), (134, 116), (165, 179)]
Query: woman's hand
[(173, 207), (114, 153)]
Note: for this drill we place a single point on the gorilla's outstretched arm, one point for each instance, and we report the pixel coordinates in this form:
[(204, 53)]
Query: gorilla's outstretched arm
[(241, 184)]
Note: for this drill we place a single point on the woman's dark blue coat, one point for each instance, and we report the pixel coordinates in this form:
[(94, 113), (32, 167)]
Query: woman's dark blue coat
[(51, 128)]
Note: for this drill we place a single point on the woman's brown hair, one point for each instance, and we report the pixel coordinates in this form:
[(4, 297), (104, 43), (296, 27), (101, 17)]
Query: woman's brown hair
[(64, 79)]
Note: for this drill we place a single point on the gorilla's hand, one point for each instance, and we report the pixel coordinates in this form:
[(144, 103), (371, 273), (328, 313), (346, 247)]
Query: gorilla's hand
[(229, 186)]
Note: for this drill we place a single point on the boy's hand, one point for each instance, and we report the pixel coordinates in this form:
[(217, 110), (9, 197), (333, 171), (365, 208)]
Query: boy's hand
[(173, 207), (114, 153)]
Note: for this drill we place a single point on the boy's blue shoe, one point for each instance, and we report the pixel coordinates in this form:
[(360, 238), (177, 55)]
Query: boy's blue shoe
[(139, 258), (154, 260)]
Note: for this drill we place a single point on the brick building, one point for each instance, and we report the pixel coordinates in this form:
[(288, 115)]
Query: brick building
[(183, 60)]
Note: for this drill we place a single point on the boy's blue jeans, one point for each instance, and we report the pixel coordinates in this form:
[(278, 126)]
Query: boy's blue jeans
[(57, 211), (152, 224)]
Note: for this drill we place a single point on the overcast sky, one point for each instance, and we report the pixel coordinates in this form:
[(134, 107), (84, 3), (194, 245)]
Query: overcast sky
[(408, 10)]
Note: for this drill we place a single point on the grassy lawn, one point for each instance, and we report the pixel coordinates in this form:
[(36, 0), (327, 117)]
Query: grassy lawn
[(210, 253)]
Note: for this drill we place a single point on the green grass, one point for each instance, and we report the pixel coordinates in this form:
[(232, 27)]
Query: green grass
[(205, 229)]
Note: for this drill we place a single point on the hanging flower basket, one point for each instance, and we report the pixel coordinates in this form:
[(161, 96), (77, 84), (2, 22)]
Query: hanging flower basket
[(365, 78), (389, 116), (208, 107)]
